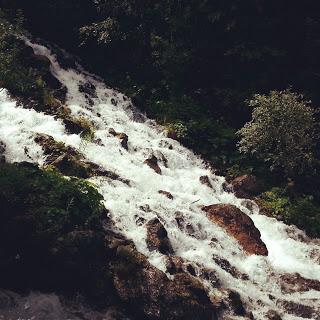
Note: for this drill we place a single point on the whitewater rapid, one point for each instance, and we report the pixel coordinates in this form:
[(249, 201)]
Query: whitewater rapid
[(289, 249)]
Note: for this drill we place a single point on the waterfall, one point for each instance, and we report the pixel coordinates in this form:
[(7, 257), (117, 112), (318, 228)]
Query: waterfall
[(290, 251)]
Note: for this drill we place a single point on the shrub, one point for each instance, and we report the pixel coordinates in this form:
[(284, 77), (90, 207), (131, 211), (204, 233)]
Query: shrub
[(281, 132), (300, 210), (50, 231)]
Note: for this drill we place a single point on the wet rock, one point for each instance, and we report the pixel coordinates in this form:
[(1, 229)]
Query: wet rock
[(166, 193), (145, 208), (236, 304), (121, 136), (245, 186), (298, 309), (2, 151), (151, 295), (53, 149), (174, 264), (238, 225), (291, 283), (273, 315), (88, 88), (152, 162), (225, 265), (205, 180), (72, 126), (211, 276), (70, 162), (157, 237), (183, 225)]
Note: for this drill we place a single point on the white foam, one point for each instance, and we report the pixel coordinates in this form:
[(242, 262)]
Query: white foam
[(287, 253)]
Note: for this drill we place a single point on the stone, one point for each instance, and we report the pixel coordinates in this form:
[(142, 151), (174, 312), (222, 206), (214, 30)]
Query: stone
[(245, 186), (152, 162), (166, 193), (294, 282), (157, 237), (239, 225), (205, 180), (2, 151), (121, 136), (152, 296)]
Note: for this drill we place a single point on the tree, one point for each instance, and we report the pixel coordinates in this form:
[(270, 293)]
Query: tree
[(281, 132)]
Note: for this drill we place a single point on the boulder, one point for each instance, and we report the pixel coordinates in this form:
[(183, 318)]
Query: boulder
[(157, 237), (166, 193), (151, 295), (174, 264), (273, 315), (205, 180), (298, 309), (88, 89), (2, 151), (245, 186), (226, 266), (70, 162), (294, 282), (121, 136), (238, 225), (152, 162)]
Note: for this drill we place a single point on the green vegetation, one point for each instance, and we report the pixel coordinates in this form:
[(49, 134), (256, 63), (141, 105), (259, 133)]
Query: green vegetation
[(303, 211), (281, 132), (193, 66), (52, 229)]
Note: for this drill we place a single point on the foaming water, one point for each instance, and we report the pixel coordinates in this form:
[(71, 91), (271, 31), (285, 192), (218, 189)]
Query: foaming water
[(131, 206)]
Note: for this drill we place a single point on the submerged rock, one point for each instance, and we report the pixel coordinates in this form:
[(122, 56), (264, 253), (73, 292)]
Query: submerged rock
[(296, 283), (157, 237), (205, 180), (166, 193), (152, 162), (121, 136), (225, 265), (2, 151), (298, 309), (238, 225)]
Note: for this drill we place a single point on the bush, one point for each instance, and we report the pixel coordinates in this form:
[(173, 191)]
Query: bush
[(50, 231), (281, 132), (300, 210)]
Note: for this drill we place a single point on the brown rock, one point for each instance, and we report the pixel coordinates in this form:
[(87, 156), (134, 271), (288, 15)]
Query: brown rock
[(121, 136), (205, 180), (273, 315), (298, 309), (174, 264), (238, 225), (151, 295), (296, 283), (166, 193), (157, 237), (152, 162), (2, 151), (225, 265), (245, 186)]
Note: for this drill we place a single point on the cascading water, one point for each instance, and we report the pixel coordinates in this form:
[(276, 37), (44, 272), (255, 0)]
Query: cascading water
[(289, 250)]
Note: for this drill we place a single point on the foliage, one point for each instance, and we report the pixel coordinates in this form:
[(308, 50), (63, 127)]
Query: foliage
[(281, 132), (301, 210), (51, 232), (57, 204)]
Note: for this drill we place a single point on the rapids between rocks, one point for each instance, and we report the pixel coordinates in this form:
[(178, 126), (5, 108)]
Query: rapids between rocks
[(175, 171)]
